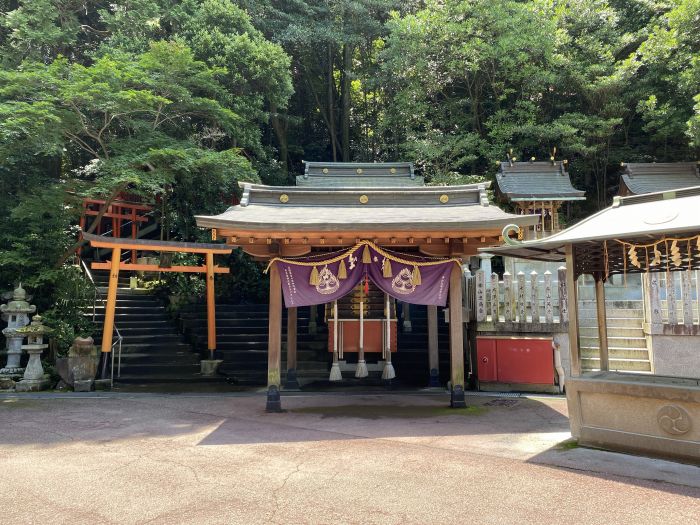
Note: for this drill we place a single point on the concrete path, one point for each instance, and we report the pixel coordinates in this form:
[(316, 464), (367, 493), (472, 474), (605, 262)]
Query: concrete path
[(394, 458)]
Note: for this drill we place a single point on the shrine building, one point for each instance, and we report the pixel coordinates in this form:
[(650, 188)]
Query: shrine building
[(638, 178), (358, 237), (537, 188)]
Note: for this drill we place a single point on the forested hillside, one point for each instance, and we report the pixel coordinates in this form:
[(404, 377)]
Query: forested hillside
[(176, 101)]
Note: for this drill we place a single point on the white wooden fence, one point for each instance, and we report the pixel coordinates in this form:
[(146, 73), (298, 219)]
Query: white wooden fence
[(673, 298), (527, 299)]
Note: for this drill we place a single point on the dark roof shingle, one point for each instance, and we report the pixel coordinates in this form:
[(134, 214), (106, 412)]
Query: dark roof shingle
[(536, 181), (639, 178)]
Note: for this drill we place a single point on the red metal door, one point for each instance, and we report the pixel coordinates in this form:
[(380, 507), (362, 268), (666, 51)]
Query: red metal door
[(486, 359), (525, 361)]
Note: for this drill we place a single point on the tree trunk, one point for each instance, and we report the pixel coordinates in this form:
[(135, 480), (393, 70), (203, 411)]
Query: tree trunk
[(279, 125), (331, 106), (345, 102)]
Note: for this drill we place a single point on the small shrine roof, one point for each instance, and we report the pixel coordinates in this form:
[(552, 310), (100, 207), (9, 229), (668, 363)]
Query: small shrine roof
[(639, 218), (536, 181), (638, 178), (358, 174), (290, 209)]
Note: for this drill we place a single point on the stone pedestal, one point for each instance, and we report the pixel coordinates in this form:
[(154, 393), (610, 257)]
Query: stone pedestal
[(209, 366), (84, 385), (291, 382), (7, 383)]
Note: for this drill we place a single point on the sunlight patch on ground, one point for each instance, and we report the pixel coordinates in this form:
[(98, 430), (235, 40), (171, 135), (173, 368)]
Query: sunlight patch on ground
[(389, 411)]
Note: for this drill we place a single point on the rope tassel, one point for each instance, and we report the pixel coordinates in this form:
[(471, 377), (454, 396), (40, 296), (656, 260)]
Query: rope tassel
[(313, 278), (366, 256), (342, 271), (415, 276), (386, 272)]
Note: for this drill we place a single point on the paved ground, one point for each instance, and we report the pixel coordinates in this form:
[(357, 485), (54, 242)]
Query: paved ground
[(395, 458)]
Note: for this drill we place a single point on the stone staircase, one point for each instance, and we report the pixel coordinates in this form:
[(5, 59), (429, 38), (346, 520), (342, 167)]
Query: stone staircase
[(627, 345), (153, 351), (241, 340)]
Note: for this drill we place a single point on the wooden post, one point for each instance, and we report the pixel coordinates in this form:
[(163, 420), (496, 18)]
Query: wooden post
[(686, 296), (433, 357), (313, 326), (456, 339), (534, 297), (548, 302), (211, 307), (495, 298), (291, 381), (602, 323), (108, 328), (572, 311), (522, 311), (134, 233), (274, 345), (480, 296), (508, 305), (671, 298), (407, 325)]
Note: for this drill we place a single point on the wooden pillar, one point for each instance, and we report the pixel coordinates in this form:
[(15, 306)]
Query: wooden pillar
[(108, 328), (274, 347), (407, 325), (602, 323), (313, 325), (572, 304), (433, 357), (456, 339), (134, 233), (291, 380), (211, 307)]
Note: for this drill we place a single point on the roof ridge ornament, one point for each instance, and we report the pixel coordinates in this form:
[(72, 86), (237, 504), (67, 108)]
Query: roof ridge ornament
[(483, 197), (507, 230)]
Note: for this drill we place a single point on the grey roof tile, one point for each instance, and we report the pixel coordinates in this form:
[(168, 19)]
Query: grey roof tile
[(534, 181)]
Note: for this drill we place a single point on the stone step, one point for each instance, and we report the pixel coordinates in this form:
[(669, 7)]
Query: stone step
[(617, 353), (627, 365), (614, 342), (617, 331), (612, 322)]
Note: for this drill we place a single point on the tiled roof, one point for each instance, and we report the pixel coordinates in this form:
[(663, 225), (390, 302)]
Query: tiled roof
[(290, 208), (358, 175), (536, 181), (639, 178)]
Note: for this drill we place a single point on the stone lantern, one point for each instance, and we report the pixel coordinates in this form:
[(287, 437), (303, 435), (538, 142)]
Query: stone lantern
[(34, 378), (16, 313)]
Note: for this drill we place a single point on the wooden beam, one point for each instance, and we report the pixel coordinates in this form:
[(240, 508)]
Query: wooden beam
[(602, 323), (155, 247), (274, 344), (211, 307), (572, 293), (456, 339), (433, 357), (155, 268)]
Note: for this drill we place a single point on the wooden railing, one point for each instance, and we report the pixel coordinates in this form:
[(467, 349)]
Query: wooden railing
[(525, 300)]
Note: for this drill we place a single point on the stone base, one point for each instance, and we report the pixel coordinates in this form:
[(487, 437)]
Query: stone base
[(84, 385), (274, 402), (209, 366), (457, 397), (291, 382), (13, 372), (103, 384), (32, 385), (8, 382), (434, 378)]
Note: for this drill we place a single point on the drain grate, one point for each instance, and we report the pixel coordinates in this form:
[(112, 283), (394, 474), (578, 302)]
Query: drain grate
[(495, 394), (501, 403)]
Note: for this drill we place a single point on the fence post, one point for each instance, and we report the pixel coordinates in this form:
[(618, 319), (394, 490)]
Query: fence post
[(522, 312), (494, 297), (563, 295), (548, 303), (686, 295), (534, 297), (480, 296), (508, 305), (652, 286), (671, 298)]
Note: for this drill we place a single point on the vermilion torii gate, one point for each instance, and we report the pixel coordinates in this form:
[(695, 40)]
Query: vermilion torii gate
[(115, 265)]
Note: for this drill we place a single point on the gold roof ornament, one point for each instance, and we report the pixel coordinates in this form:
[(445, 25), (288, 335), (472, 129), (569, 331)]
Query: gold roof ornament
[(284, 198), (364, 199), (444, 198), (325, 170), (392, 170), (359, 171)]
